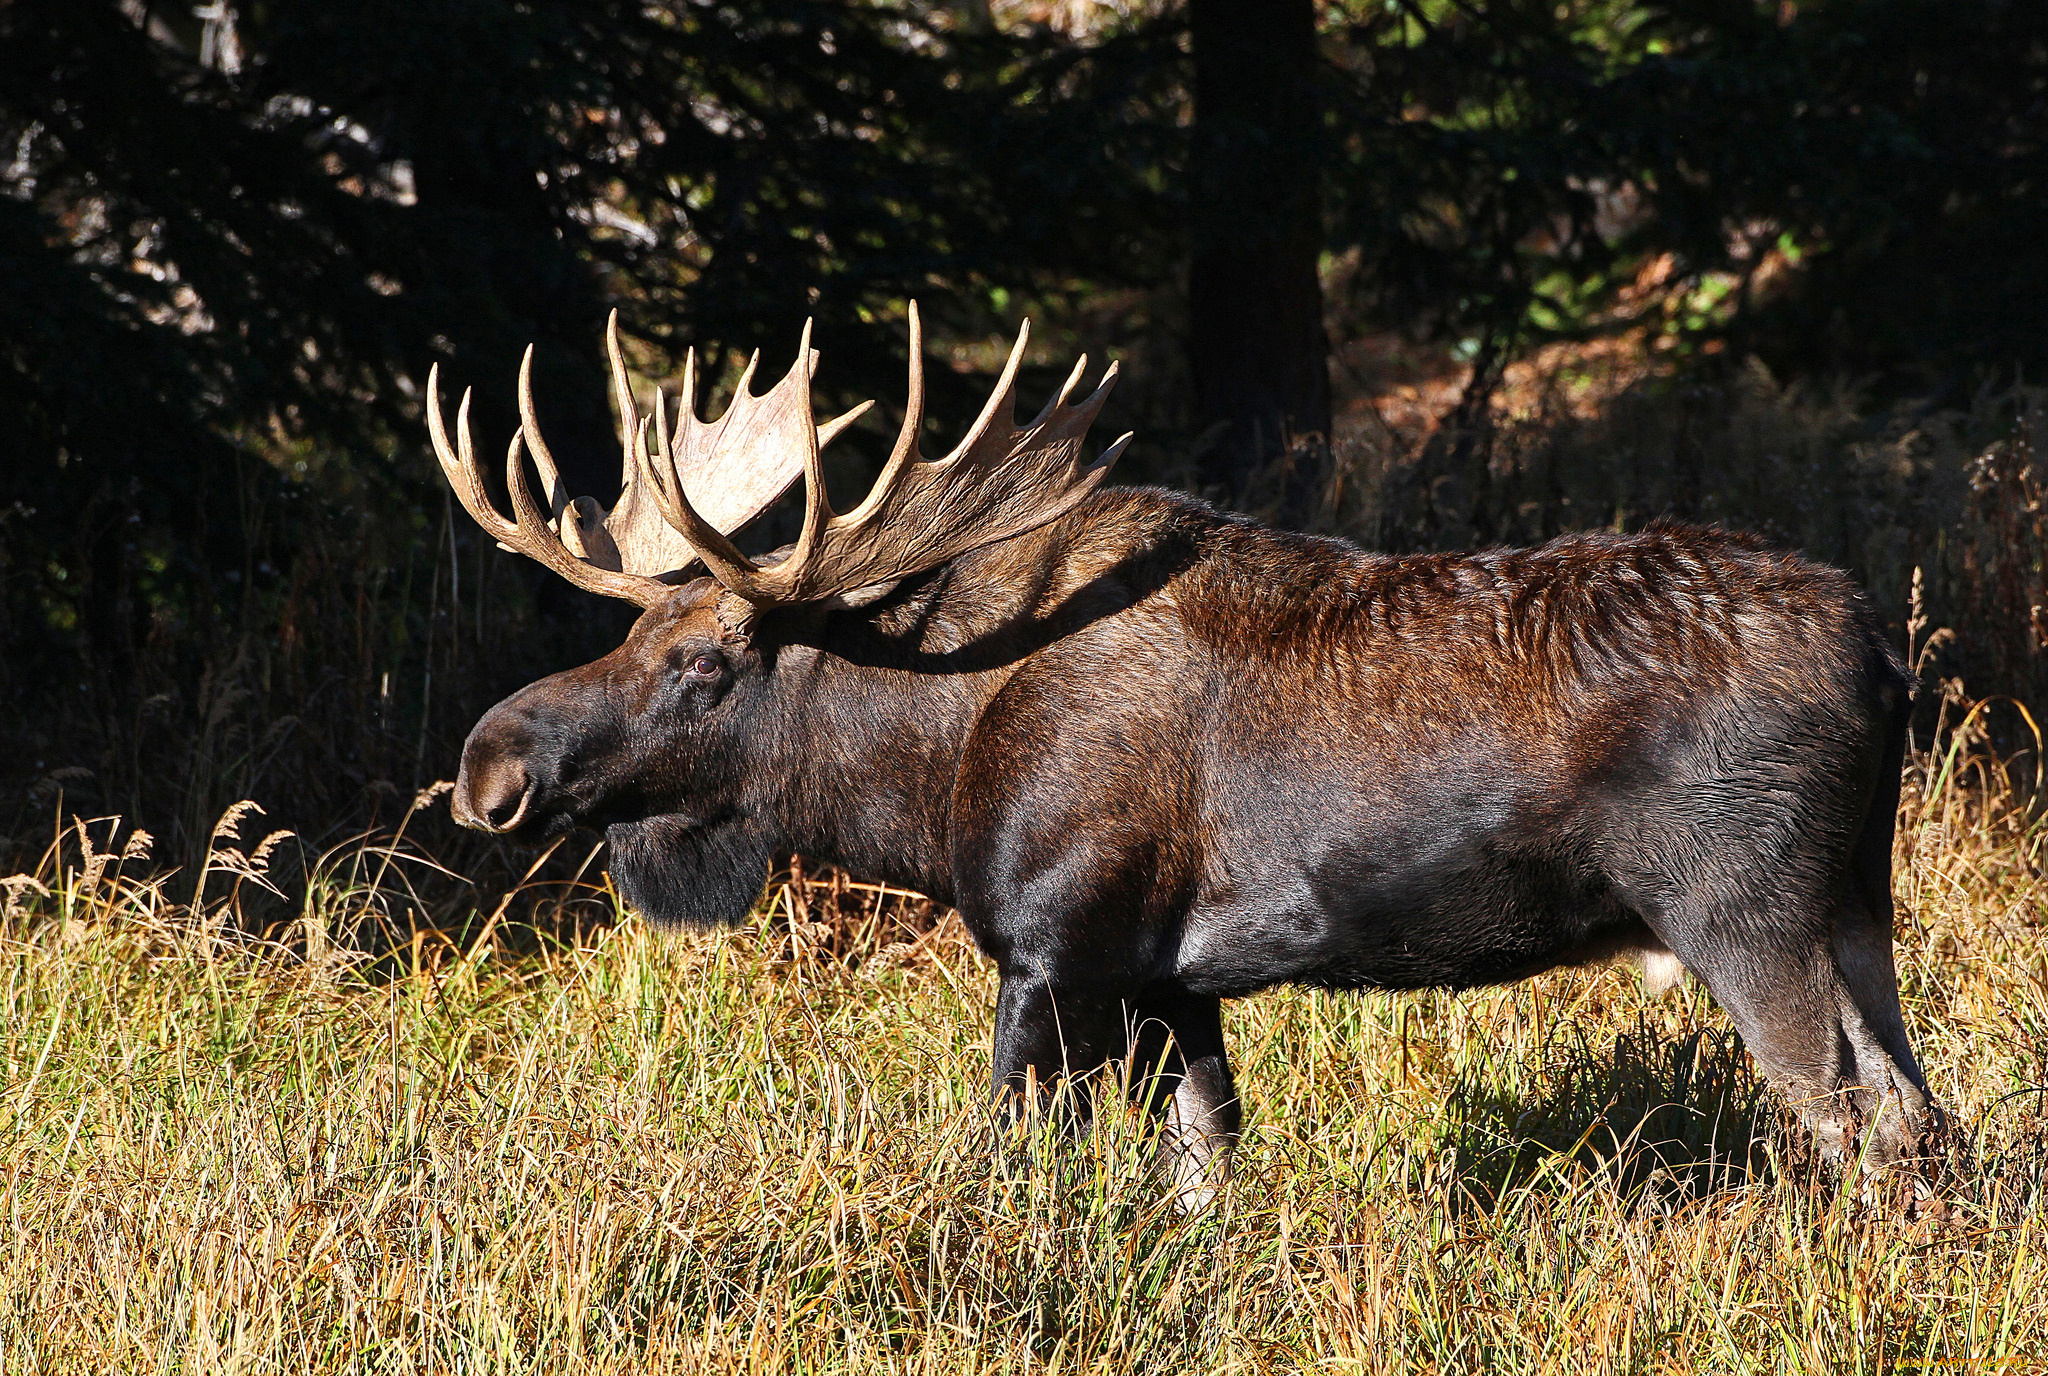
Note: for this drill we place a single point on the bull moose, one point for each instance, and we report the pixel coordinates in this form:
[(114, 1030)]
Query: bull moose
[(1159, 755)]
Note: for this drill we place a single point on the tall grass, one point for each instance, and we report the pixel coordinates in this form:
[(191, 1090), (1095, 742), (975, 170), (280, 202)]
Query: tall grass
[(365, 1141)]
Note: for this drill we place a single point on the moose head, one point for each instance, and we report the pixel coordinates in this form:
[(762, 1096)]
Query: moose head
[(661, 742)]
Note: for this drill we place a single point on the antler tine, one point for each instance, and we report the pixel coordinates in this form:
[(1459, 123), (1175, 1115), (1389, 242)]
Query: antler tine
[(999, 482), (629, 412), (543, 458), (658, 459), (905, 451), (1085, 412), (460, 469), (640, 461), (745, 386), (540, 541), (1066, 390), (832, 428), (661, 464), (1003, 398), (817, 504)]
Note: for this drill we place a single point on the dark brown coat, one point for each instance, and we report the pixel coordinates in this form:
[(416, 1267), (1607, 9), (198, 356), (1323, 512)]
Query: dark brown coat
[(1158, 756)]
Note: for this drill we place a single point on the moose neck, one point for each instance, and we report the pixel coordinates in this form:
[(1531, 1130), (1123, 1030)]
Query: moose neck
[(876, 706), (873, 717)]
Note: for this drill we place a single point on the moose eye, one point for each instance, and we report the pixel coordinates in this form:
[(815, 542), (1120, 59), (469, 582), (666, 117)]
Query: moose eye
[(706, 666)]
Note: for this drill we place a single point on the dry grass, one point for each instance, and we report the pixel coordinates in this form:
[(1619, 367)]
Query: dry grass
[(620, 1151)]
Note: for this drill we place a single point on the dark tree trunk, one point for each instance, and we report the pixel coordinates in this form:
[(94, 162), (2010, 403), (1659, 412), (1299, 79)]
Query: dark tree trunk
[(1256, 345)]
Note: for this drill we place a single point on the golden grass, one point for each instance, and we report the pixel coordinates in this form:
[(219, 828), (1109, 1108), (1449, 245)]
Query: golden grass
[(766, 1151)]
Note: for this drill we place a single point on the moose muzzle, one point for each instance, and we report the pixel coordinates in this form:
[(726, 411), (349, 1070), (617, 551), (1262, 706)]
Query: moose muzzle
[(493, 793)]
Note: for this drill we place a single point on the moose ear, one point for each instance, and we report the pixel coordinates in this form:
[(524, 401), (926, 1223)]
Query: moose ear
[(861, 597)]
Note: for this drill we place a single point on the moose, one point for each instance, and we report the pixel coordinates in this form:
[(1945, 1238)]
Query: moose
[(1159, 755)]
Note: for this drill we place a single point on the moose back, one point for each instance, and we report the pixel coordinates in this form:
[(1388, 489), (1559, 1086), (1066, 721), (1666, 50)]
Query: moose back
[(1159, 756)]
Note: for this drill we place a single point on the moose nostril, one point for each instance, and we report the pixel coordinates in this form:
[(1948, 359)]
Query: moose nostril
[(502, 813), (496, 797)]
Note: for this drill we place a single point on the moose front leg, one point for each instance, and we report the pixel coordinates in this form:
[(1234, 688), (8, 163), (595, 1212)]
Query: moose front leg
[(1049, 1041), (1050, 1044), (1181, 1071)]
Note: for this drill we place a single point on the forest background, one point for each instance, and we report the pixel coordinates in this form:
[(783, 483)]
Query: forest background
[(1428, 273)]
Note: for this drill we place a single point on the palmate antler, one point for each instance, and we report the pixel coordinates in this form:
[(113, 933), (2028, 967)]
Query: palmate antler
[(631, 551), (686, 490), (999, 482)]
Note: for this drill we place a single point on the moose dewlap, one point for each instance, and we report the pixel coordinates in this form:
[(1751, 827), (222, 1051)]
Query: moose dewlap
[(1158, 755)]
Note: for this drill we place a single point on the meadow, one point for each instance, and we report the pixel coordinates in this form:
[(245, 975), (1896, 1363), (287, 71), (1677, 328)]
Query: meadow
[(564, 1144), (328, 1086)]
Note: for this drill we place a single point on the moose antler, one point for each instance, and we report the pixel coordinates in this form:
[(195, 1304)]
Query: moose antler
[(752, 455), (1001, 481)]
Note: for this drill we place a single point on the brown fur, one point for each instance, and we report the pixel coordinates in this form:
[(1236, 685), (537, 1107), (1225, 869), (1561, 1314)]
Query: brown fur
[(1159, 755)]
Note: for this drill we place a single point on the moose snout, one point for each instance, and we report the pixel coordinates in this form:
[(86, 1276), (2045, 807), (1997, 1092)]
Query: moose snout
[(494, 791), (543, 759), (494, 799)]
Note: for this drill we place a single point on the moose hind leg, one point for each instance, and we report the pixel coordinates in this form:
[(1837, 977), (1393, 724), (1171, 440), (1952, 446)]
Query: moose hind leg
[(1875, 1030), (1863, 951), (1180, 1070), (1810, 988), (1863, 947)]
